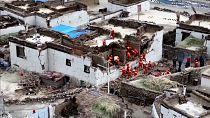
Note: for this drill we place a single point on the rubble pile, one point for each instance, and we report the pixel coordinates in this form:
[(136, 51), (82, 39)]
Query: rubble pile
[(158, 84), (50, 98)]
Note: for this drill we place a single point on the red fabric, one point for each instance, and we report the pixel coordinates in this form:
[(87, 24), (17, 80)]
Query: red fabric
[(128, 55), (104, 42), (123, 71), (136, 73), (146, 69), (129, 74), (140, 64), (188, 59), (143, 55), (112, 34), (196, 63)]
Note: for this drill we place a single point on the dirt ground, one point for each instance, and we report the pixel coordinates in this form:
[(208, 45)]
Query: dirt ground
[(87, 98)]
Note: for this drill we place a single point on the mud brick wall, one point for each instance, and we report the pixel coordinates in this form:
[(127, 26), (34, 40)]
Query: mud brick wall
[(121, 53), (169, 38), (133, 42), (137, 94), (98, 60), (170, 52), (188, 76)]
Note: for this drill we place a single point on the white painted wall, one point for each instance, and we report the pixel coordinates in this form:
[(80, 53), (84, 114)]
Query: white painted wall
[(74, 19), (154, 112), (194, 34), (31, 62), (133, 9), (156, 47), (13, 29), (41, 22), (169, 113), (107, 17), (205, 82), (56, 61), (145, 6), (29, 20)]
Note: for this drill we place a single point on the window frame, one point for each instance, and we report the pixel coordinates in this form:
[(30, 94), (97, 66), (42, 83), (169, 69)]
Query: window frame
[(67, 61), (85, 69), (20, 52)]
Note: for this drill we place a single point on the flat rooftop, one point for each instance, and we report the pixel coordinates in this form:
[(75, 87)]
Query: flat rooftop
[(126, 2), (193, 107), (119, 29), (98, 41), (159, 18), (201, 23), (39, 39), (191, 43), (8, 21), (48, 9), (198, 23)]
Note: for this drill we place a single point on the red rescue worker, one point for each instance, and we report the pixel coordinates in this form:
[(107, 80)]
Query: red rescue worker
[(140, 64), (129, 48), (110, 59), (136, 72), (143, 55), (104, 42), (117, 60), (135, 52), (128, 68), (150, 65), (196, 63), (146, 69), (141, 58), (167, 72), (129, 55), (123, 71), (112, 34), (129, 74)]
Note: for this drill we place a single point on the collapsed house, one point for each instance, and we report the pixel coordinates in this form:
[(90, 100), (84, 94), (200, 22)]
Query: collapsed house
[(145, 38), (48, 14), (131, 6), (81, 52), (198, 26), (9, 24), (190, 102), (194, 105)]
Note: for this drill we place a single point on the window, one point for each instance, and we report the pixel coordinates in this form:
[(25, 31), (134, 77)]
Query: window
[(68, 62), (86, 69), (20, 52)]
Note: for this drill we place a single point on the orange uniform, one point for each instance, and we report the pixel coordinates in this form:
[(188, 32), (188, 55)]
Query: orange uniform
[(196, 63), (129, 55), (140, 64), (146, 68), (136, 73)]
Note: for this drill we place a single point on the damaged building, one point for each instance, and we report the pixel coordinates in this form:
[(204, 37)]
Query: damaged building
[(144, 37), (48, 14), (9, 24), (198, 28), (81, 52), (131, 6)]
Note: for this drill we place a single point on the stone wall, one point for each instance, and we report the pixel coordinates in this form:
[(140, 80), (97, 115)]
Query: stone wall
[(170, 52), (188, 76), (138, 95)]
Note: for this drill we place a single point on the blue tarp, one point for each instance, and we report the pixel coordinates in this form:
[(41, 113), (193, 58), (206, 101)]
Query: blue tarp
[(72, 32), (40, 0)]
